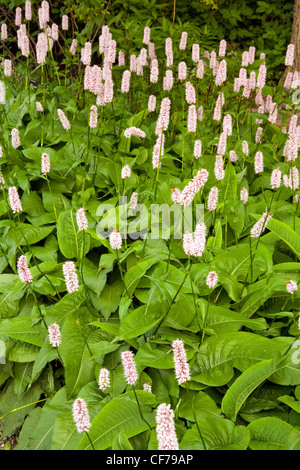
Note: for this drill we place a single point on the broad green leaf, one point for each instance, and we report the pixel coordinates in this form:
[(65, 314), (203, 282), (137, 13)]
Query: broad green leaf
[(269, 434)]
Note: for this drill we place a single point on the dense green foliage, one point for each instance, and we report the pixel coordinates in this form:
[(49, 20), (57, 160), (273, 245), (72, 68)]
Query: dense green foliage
[(238, 336)]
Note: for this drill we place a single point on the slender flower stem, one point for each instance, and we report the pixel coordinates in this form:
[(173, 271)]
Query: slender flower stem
[(88, 436), (139, 407)]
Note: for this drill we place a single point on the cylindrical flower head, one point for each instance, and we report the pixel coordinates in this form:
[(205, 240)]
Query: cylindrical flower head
[(200, 69), (245, 59), (192, 118), (73, 46), (28, 13), (197, 148), (15, 138), (125, 81), (217, 110), (212, 279), (7, 67), (18, 17), (147, 387), (233, 156), (291, 286), (258, 134), (71, 278), (115, 240), (168, 47), (251, 56), (244, 195), (199, 239), (195, 53), (222, 144), (188, 243), (134, 131), (190, 93), (129, 366), (288, 81), (182, 370), (147, 32), (3, 31), (261, 79), (126, 172), (23, 270), (276, 178), (152, 103), (260, 226), (183, 40), (245, 147), (64, 120), (289, 57), (165, 428), (164, 116), (54, 335), (14, 200), (121, 58), (222, 48), (45, 163), (182, 70), (103, 379), (222, 73), (219, 168), (65, 23), (133, 201), (93, 117), (81, 220), (258, 162), (227, 124), (212, 200), (81, 415)]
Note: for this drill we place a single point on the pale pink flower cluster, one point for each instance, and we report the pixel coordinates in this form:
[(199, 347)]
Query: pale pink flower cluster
[(200, 69), (54, 335), (292, 181), (190, 93), (222, 143), (125, 85), (219, 168), (18, 17), (158, 151), (147, 387), (195, 53), (134, 131), (81, 415), (65, 23), (165, 428), (222, 48), (64, 120), (197, 148), (260, 225), (291, 286), (133, 201), (15, 138), (152, 103), (182, 72), (45, 161), (86, 53), (115, 240), (41, 48), (71, 278), (164, 116), (126, 172), (192, 118), (129, 366), (289, 57), (147, 32), (73, 46), (222, 73), (187, 195), (121, 58), (227, 124), (81, 219), (183, 40), (244, 195), (194, 243), (276, 178), (3, 31), (182, 370), (262, 74), (14, 200), (212, 200), (93, 117), (7, 67), (23, 270), (103, 379), (258, 162), (258, 134), (39, 107), (212, 279)]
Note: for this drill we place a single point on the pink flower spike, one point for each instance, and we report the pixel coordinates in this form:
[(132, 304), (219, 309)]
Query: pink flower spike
[(289, 57), (23, 270), (212, 279), (276, 178), (260, 225), (71, 278), (81, 415), (45, 163), (126, 172), (103, 379), (54, 335), (63, 119), (183, 40), (182, 370), (15, 138), (81, 220), (291, 286), (129, 366), (165, 428), (93, 117), (244, 195), (14, 200), (152, 103), (212, 201), (115, 240)]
